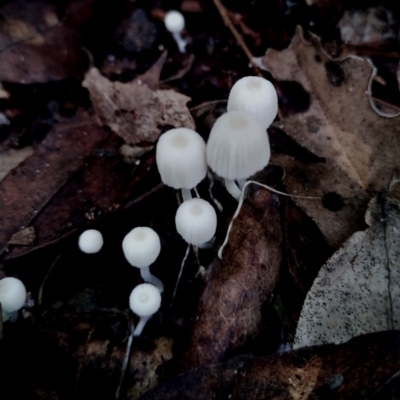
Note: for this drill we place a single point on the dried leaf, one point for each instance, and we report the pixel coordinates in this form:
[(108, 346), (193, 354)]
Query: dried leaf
[(134, 110), (365, 367), (28, 188), (35, 46), (25, 237), (362, 149), (358, 290), (237, 287)]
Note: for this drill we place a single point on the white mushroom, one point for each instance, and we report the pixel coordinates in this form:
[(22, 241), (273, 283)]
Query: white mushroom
[(237, 148), (144, 301), (175, 22), (90, 241), (12, 296), (181, 159), (196, 221), (141, 247), (255, 96)]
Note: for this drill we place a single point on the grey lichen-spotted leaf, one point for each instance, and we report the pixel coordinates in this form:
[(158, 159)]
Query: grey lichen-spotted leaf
[(358, 290)]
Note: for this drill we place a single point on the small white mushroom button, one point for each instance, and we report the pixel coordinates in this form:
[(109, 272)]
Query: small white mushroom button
[(175, 22), (255, 96), (144, 301), (12, 296), (141, 247), (90, 241)]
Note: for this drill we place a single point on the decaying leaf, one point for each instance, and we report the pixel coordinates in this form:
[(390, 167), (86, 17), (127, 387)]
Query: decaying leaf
[(358, 290), (27, 189), (237, 287), (365, 367), (24, 237), (362, 149), (29, 33), (9, 159), (134, 110), (143, 367)]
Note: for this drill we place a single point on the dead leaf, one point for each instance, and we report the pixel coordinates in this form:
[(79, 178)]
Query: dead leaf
[(11, 158), (144, 366), (229, 311), (25, 237), (358, 290), (365, 367), (134, 110), (35, 46), (362, 149), (27, 189)]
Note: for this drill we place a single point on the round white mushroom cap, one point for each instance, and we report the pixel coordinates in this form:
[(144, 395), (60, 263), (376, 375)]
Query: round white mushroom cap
[(141, 247), (196, 221), (256, 96), (12, 294), (90, 241), (238, 146), (181, 158), (174, 21), (145, 300)]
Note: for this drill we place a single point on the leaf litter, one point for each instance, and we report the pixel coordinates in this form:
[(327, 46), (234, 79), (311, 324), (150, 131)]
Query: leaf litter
[(358, 290), (360, 147)]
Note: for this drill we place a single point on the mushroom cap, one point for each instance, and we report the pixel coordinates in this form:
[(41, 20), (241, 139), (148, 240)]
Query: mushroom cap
[(196, 221), (174, 21), (141, 247), (90, 241), (12, 294), (238, 146), (256, 96), (181, 158), (145, 300)]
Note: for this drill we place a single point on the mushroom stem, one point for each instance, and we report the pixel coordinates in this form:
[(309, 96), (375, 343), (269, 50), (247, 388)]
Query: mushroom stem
[(232, 188), (186, 194), (181, 43), (180, 272), (141, 324), (147, 276)]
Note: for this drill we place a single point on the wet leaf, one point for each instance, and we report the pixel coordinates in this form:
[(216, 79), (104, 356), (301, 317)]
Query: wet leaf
[(10, 158), (361, 149), (29, 33), (365, 367), (134, 110), (237, 287), (28, 188), (358, 290)]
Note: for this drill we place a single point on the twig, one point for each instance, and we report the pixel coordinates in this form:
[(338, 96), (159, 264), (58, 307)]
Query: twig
[(239, 39)]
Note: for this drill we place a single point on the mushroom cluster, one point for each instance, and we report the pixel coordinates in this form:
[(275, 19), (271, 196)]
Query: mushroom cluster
[(238, 146)]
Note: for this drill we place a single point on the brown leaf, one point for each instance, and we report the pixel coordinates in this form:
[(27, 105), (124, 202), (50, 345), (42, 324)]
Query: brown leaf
[(35, 46), (365, 367), (362, 149), (358, 290), (229, 311), (25, 237), (27, 189), (144, 366), (10, 158), (133, 110)]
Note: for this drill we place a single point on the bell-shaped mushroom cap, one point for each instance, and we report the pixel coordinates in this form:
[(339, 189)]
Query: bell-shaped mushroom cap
[(90, 241), (141, 247), (196, 221), (238, 146), (174, 21), (255, 96), (181, 158), (12, 294), (145, 300)]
